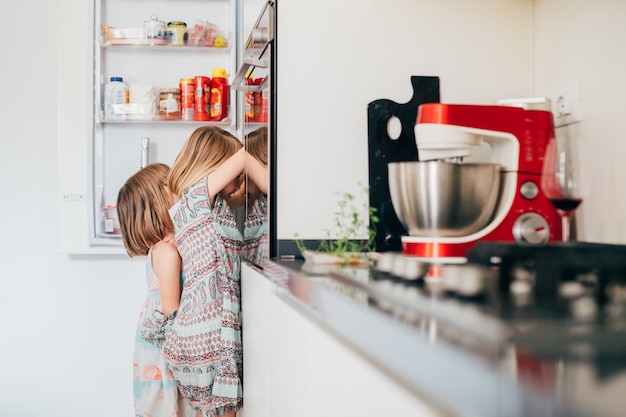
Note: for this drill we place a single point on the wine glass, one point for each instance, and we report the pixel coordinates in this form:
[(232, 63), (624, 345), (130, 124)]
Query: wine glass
[(561, 179)]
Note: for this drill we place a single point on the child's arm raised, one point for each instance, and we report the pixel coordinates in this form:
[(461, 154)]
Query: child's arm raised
[(223, 175), (167, 265)]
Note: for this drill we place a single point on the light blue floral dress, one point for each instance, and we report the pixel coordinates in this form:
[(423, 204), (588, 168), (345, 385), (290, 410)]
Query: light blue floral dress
[(154, 386)]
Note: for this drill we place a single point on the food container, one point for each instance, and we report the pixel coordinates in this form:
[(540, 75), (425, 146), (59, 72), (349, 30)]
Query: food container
[(203, 93), (218, 107), (196, 33), (121, 36), (221, 40), (142, 99), (176, 33), (187, 98), (204, 33), (111, 223), (169, 103), (154, 31), (115, 98)]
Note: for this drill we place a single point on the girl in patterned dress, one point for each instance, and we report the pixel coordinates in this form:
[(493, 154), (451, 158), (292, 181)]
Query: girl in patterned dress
[(203, 346), (142, 205)]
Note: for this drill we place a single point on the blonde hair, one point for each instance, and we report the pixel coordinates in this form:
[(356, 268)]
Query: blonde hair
[(256, 144), (205, 150), (142, 208)]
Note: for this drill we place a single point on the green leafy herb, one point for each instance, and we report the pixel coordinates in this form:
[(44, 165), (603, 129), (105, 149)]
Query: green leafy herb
[(348, 225)]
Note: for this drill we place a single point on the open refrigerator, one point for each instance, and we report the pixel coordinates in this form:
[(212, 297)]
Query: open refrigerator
[(122, 47), (119, 148)]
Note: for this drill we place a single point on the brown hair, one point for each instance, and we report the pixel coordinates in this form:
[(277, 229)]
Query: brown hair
[(256, 144), (142, 208), (205, 150)]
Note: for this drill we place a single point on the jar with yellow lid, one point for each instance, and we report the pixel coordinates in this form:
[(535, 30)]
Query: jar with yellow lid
[(176, 33)]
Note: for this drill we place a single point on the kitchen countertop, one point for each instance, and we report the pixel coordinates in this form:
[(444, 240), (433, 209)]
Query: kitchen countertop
[(461, 357)]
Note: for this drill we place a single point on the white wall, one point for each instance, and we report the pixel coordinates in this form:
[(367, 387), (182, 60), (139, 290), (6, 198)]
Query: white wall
[(336, 57), (68, 321), (579, 43)]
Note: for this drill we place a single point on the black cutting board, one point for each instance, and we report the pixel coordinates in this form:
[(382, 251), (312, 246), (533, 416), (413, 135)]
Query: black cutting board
[(383, 149)]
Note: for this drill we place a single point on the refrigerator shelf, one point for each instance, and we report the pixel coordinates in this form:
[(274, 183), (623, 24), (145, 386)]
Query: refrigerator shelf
[(223, 123), (139, 44)]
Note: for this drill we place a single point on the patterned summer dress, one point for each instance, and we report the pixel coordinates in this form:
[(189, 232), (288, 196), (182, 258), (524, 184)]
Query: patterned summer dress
[(203, 346), (154, 386)]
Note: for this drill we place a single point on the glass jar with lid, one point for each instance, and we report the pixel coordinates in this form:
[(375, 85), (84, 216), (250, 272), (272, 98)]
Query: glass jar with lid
[(154, 31), (169, 104), (176, 33)]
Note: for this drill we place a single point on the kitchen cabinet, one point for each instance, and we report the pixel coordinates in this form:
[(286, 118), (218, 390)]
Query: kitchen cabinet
[(120, 146), (295, 366)]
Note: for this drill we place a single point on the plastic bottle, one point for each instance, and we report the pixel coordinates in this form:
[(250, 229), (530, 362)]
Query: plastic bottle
[(201, 105), (115, 93), (218, 109)]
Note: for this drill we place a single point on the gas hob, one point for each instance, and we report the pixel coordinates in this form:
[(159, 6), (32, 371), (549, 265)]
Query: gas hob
[(559, 301)]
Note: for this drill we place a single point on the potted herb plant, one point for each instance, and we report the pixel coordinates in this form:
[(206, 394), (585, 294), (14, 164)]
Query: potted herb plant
[(344, 244)]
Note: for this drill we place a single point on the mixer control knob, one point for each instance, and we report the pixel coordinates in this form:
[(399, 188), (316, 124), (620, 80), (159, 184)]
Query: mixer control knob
[(531, 228), (529, 190)]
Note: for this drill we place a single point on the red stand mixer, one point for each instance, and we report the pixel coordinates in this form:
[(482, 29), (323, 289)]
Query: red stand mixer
[(453, 141)]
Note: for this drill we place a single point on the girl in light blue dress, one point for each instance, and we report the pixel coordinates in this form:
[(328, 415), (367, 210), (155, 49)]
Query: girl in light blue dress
[(142, 204)]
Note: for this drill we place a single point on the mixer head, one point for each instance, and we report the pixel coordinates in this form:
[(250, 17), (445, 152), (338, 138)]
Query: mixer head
[(516, 137)]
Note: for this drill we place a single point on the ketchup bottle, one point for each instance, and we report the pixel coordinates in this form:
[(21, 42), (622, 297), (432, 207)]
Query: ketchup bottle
[(218, 108)]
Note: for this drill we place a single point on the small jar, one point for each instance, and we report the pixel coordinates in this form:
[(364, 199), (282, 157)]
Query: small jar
[(154, 31), (169, 103), (176, 33)]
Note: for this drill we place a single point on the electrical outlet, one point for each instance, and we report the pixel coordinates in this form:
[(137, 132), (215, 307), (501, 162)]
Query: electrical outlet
[(563, 105), (566, 107)]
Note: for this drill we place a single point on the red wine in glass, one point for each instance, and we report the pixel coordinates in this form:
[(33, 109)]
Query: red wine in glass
[(566, 205), (562, 181)]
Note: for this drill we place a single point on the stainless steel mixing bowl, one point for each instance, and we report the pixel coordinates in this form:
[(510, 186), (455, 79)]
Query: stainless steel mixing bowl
[(441, 199)]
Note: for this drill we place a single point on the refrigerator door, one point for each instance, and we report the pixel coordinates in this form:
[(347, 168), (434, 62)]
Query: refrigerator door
[(255, 82)]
